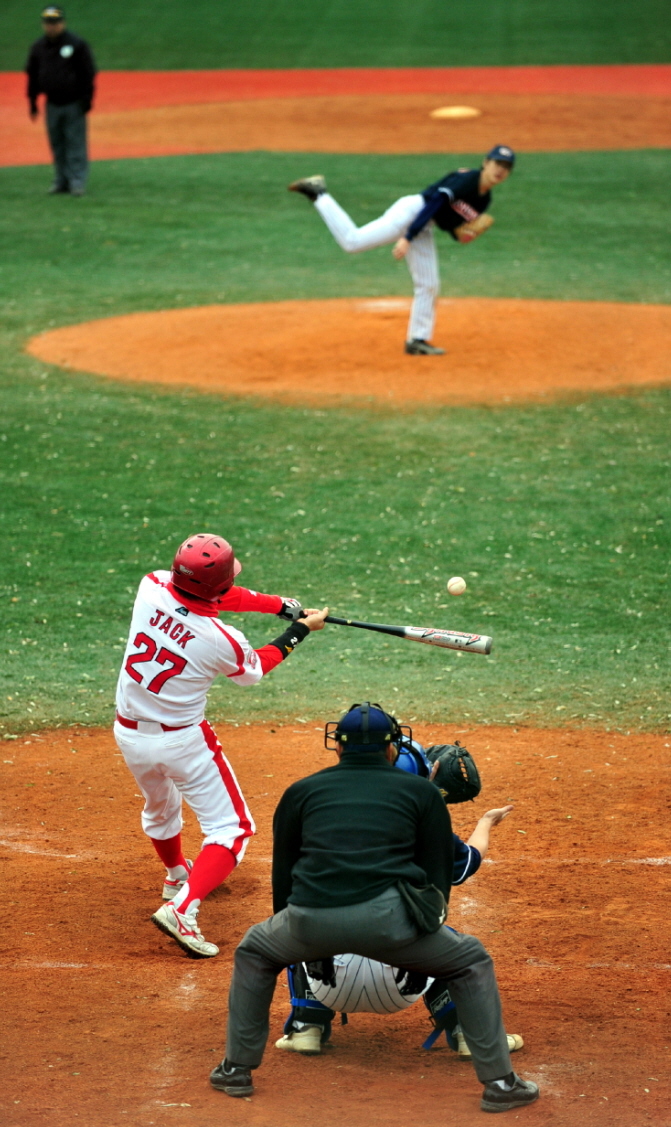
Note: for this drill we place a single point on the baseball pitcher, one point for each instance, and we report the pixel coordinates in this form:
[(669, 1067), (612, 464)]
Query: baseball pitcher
[(457, 204)]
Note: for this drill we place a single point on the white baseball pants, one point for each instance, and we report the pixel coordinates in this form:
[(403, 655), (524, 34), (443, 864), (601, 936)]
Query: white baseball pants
[(421, 258), (187, 763)]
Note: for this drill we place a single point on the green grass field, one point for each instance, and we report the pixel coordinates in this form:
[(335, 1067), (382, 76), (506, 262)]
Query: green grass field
[(149, 34), (557, 516)]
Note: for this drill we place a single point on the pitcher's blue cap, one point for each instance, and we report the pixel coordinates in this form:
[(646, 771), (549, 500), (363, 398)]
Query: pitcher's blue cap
[(503, 153)]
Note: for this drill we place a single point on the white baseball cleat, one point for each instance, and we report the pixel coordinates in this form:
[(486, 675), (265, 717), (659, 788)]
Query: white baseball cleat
[(515, 1042), (307, 1041), (185, 931), (172, 887)]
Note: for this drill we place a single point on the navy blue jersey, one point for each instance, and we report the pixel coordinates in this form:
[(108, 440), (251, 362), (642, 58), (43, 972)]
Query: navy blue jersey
[(467, 860), (451, 201)]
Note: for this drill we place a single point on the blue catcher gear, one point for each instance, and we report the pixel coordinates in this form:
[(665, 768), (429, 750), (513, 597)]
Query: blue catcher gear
[(305, 1009), (411, 758), (443, 1014)]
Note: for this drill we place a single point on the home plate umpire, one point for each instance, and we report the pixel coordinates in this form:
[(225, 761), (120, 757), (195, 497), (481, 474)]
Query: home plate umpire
[(375, 845)]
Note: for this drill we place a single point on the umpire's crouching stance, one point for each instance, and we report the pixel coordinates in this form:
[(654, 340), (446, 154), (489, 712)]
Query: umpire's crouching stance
[(352, 845)]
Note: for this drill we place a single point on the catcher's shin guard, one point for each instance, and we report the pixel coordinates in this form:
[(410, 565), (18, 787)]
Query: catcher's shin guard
[(304, 1006), (443, 1014)]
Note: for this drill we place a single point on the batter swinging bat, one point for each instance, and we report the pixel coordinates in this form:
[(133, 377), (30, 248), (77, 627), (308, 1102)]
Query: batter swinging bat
[(448, 639)]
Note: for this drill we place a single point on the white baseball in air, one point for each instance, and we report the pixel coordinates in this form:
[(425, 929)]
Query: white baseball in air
[(456, 585)]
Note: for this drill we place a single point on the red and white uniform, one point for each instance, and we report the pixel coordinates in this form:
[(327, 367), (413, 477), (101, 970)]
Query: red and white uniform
[(176, 648)]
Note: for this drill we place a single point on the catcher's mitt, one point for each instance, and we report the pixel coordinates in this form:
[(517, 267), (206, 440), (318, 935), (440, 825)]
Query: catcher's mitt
[(457, 777), (466, 232)]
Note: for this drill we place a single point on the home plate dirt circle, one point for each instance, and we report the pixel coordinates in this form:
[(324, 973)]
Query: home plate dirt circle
[(497, 350)]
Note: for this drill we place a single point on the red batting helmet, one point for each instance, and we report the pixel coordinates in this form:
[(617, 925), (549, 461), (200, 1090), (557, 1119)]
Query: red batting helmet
[(205, 565)]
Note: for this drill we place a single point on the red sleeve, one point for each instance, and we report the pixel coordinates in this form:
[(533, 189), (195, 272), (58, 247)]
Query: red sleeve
[(269, 656), (241, 599)]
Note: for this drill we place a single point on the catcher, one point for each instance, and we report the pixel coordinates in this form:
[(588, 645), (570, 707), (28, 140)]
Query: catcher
[(353, 984), (457, 204)]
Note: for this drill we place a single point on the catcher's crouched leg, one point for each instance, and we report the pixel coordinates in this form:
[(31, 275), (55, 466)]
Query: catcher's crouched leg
[(443, 1014), (308, 1026), (445, 1020)]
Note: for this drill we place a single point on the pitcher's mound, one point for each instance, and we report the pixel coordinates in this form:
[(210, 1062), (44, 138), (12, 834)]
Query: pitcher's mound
[(310, 351)]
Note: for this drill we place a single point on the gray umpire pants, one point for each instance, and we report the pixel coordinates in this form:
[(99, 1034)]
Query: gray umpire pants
[(66, 128), (377, 929)]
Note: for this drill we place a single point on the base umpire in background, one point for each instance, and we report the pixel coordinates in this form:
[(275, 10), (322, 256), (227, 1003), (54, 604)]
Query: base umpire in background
[(61, 65), (362, 862)]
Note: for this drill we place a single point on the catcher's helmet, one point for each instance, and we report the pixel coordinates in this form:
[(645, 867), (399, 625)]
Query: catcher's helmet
[(366, 727), (205, 565), (411, 758)]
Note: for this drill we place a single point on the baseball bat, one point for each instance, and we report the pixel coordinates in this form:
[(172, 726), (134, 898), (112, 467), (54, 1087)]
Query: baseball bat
[(448, 639)]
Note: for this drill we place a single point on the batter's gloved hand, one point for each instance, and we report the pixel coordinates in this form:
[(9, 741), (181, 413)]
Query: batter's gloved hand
[(466, 232), (455, 773), (291, 610)]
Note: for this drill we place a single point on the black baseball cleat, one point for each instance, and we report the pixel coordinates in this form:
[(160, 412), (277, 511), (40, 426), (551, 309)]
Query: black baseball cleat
[(514, 1093), (233, 1079), (310, 186), (418, 347)]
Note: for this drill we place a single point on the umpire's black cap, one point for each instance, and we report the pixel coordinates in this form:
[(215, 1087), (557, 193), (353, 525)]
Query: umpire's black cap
[(53, 13), (364, 726)]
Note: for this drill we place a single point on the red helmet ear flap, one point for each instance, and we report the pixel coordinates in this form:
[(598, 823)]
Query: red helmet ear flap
[(205, 565)]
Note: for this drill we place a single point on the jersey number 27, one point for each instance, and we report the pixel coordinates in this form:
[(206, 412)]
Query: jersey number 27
[(175, 662)]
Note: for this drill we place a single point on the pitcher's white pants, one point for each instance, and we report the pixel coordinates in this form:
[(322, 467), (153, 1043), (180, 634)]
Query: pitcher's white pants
[(421, 258), (190, 763)]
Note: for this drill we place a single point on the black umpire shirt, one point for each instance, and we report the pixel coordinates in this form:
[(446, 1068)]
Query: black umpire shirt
[(349, 832), (451, 201), (62, 68)]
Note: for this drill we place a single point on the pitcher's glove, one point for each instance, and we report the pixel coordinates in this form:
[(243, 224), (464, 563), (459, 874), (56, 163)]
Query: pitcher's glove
[(291, 610), (466, 232), (457, 777)]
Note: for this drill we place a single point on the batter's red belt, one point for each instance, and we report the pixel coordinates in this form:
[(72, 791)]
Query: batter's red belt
[(134, 723)]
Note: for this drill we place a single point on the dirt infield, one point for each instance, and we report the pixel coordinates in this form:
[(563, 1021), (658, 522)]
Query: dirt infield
[(498, 350), (532, 108), (108, 1023), (386, 124), (105, 1020), (398, 123)]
